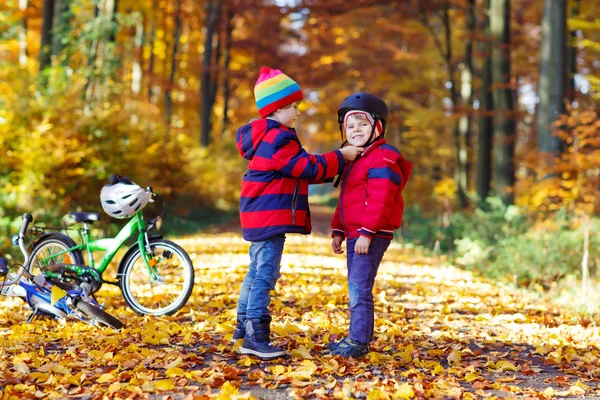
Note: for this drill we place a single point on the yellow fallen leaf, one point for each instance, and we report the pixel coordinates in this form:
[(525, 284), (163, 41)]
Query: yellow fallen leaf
[(454, 357), (301, 352), (278, 370), (164, 384), (405, 391), (246, 361), (377, 395), (21, 367), (471, 376), (105, 378), (506, 366), (174, 372)]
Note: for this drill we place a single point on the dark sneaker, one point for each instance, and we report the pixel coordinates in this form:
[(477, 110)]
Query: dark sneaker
[(351, 348), (257, 340), (262, 350), (334, 345)]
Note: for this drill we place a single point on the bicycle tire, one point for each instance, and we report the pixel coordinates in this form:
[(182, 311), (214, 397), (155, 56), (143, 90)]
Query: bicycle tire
[(61, 242), (174, 291), (97, 315)]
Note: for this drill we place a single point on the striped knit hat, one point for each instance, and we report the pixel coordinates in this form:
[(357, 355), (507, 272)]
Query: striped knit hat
[(275, 90)]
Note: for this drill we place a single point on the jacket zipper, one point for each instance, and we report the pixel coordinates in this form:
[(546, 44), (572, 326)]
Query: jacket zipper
[(345, 176), (294, 200)]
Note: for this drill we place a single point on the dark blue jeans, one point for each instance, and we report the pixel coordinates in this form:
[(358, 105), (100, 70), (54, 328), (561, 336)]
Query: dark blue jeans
[(262, 275), (362, 270)]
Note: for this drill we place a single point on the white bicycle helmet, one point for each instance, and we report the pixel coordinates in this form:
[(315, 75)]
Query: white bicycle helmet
[(123, 200)]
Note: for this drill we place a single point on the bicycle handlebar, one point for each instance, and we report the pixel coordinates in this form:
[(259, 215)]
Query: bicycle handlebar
[(19, 240)]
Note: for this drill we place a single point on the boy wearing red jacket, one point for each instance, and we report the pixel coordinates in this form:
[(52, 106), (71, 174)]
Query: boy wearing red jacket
[(274, 199), (369, 209)]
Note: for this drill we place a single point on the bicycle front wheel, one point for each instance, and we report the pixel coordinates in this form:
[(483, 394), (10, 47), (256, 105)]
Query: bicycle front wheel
[(169, 291)]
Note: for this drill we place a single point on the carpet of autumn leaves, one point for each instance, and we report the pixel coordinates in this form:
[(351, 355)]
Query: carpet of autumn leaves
[(440, 333)]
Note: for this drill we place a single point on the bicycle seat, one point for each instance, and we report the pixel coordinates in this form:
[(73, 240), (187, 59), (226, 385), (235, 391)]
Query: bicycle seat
[(85, 216)]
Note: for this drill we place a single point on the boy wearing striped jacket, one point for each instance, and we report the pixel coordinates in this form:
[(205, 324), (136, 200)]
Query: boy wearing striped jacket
[(274, 199), (369, 209)]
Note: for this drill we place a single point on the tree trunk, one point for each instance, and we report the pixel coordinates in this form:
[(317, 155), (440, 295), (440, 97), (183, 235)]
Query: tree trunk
[(23, 34), (45, 49), (486, 126), (553, 74), (466, 90), (171, 83), (100, 51), (226, 60), (572, 50), (460, 151), (60, 27), (213, 10), (137, 75), (152, 33), (504, 124)]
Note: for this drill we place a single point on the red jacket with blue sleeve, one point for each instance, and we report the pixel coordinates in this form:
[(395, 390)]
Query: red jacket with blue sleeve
[(370, 202), (274, 197)]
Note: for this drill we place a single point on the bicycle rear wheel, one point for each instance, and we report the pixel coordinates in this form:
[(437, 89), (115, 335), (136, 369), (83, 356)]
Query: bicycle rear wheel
[(46, 251), (97, 315), (168, 293)]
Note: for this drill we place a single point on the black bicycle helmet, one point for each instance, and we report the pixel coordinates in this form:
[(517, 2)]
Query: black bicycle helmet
[(365, 102)]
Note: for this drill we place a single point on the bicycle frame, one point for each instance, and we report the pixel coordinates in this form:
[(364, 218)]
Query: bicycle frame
[(110, 246)]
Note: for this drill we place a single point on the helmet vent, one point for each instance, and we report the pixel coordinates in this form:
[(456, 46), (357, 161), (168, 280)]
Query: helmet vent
[(110, 202)]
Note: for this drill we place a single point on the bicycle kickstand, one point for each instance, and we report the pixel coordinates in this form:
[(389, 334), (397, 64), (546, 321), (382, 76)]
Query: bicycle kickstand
[(33, 315)]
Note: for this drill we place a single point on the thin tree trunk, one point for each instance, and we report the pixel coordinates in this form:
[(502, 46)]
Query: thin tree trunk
[(460, 151), (486, 126), (466, 92), (446, 53), (137, 75), (23, 34), (152, 33), (504, 124), (572, 50), (45, 49), (553, 74), (214, 80), (212, 16), (226, 61), (91, 61), (171, 83), (60, 26)]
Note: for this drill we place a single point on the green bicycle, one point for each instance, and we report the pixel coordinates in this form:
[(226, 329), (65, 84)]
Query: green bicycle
[(156, 276)]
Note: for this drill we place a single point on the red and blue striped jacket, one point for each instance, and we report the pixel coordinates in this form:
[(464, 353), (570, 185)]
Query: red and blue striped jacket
[(370, 201), (274, 196)]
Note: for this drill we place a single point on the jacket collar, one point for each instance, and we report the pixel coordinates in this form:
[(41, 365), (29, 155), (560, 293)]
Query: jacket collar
[(373, 146)]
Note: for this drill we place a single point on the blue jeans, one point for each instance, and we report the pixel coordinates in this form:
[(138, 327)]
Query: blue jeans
[(262, 275), (362, 269)]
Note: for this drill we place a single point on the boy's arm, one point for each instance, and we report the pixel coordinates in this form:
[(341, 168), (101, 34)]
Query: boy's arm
[(385, 178), (337, 229), (293, 161)]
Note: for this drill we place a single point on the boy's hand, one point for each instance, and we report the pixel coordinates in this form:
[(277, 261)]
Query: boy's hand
[(351, 152), (362, 245), (336, 244)]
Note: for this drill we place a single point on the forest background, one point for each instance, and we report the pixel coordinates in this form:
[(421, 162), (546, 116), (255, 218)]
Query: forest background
[(494, 101)]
